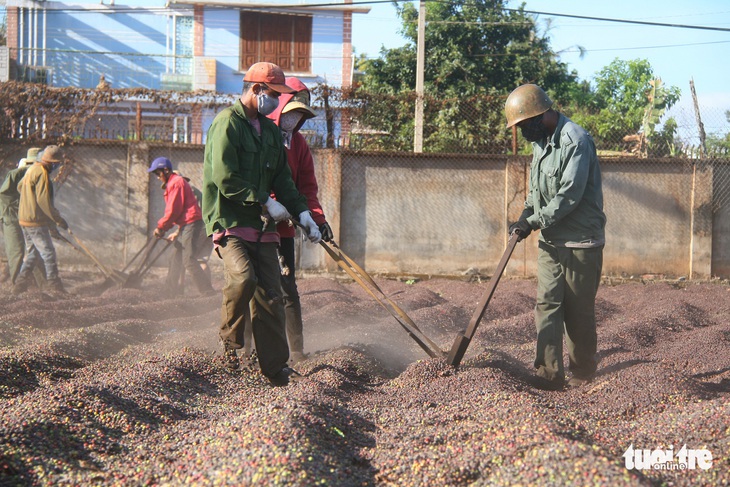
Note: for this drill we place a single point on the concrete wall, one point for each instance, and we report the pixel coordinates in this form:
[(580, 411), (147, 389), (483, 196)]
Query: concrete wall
[(720, 232), (431, 214), (419, 214), (423, 215)]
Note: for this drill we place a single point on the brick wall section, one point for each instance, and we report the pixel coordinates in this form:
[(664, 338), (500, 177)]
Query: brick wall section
[(197, 125), (198, 50), (347, 48), (11, 20), (198, 33), (346, 66), (12, 25)]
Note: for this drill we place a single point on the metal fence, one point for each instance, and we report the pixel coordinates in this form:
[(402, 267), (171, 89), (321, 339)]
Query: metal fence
[(383, 125)]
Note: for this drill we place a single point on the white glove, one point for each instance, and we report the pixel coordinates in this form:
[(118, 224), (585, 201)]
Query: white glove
[(276, 210), (312, 229)]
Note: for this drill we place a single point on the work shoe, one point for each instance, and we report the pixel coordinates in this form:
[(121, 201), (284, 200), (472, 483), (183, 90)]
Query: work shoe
[(56, 287), (548, 385), (230, 359), (208, 293), (20, 287), (548, 381), (249, 359), (576, 382), (284, 377)]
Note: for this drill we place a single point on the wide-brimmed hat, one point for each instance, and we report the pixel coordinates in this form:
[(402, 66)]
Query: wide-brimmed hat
[(51, 154), (300, 101), (32, 155), (268, 73)]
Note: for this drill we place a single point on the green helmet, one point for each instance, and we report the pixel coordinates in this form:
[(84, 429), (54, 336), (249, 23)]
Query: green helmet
[(525, 102)]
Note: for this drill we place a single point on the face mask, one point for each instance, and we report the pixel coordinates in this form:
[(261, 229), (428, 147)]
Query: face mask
[(533, 130), (289, 121), (55, 166), (266, 103)]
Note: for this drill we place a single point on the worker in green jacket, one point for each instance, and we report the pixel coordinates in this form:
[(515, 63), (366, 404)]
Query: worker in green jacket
[(564, 202), (245, 161), (12, 233)]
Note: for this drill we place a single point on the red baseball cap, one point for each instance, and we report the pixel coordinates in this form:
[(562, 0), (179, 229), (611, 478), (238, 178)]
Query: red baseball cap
[(268, 73)]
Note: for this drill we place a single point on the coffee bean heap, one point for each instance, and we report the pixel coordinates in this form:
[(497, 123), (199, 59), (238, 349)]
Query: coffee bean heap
[(125, 387)]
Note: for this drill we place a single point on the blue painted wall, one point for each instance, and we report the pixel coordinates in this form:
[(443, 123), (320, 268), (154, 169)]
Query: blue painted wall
[(221, 41), (129, 47)]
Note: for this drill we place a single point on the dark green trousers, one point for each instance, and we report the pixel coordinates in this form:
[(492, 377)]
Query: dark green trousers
[(252, 272), (567, 283), (14, 247)]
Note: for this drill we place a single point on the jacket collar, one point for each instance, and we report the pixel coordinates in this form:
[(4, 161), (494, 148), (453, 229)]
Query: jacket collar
[(554, 139), (238, 109)]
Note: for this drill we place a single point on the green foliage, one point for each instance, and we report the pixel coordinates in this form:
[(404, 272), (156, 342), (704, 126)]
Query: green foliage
[(662, 143), (655, 108), (476, 53), (473, 46), (719, 145), (620, 103), (657, 143), (465, 124), (3, 28)]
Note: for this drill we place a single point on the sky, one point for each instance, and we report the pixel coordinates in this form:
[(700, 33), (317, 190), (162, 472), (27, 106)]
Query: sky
[(675, 54)]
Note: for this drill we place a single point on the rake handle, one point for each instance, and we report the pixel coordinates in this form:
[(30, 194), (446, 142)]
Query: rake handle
[(458, 349)]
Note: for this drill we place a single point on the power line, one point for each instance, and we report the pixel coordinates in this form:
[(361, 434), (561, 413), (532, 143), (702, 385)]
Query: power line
[(644, 47), (535, 12), (112, 9), (624, 21)]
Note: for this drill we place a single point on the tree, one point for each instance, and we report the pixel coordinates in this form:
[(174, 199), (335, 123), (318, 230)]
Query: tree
[(624, 92), (718, 145), (474, 46), (3, 28), (476, 53)]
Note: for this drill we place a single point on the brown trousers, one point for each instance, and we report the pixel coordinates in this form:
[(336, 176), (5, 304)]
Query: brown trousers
[(252, 272)]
